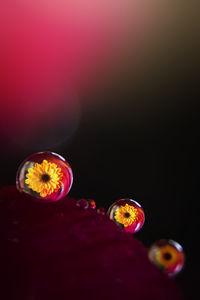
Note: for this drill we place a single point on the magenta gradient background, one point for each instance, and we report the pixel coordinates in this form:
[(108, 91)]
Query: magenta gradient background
[(52, 48)]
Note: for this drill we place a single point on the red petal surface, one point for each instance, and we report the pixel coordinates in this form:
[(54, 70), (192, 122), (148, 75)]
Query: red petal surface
[(59, 251)]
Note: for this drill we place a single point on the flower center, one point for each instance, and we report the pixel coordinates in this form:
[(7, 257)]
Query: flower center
[(167, 256), (126, 215), (45, 177)]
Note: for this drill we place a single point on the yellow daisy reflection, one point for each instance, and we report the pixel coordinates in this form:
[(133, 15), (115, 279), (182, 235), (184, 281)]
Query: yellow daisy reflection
[(126, 215), (44, 178), (166, 256)]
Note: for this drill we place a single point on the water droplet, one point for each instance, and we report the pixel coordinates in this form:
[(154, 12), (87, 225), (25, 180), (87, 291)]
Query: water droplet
[(101, 211), (82, 203), (45, 175), (168, 256), (127, 214), (92, 203)]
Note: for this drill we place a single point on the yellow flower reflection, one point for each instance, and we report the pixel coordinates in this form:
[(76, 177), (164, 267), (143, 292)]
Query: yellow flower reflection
[(44, 178), (126, 215), (166, 256)]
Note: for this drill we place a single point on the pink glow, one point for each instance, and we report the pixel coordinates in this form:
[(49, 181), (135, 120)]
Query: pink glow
[(52, 46)]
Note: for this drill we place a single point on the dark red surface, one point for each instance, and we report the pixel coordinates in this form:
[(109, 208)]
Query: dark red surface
[(59, 251)]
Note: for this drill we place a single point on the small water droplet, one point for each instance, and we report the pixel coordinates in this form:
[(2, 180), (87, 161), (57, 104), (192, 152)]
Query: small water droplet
[(101, 211), (92, 203), (83, 204)]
